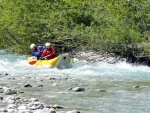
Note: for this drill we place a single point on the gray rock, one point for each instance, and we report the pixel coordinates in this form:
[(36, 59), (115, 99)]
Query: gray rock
[(78, 89), (10, 99), (22, 107), (38, 105), (136, 86), (52, 110), (1, 90), (69, 89), (5, 73), (45, 110), (33, 100), (57, 106), (27, 85), (48, 106), (9, 91), (3, 110), (11, 111), (100, 90), (32, 108), (40, 85), (12, 106), (25, 111), (1, 99), (30, 104)]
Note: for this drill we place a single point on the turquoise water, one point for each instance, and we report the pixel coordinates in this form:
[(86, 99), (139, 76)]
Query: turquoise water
[(118, 80)]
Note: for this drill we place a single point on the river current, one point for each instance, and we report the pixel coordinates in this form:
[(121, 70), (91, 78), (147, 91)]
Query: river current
[(109, 88)]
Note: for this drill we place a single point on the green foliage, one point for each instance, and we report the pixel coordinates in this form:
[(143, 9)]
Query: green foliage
[(146, 47), (69, 24)]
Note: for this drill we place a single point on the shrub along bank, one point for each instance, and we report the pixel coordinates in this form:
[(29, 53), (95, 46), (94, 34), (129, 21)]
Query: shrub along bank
[(118, 26)]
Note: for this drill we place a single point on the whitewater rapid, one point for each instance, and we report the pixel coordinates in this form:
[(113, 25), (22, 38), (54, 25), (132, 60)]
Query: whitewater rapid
[(118, 80), (18, 66)]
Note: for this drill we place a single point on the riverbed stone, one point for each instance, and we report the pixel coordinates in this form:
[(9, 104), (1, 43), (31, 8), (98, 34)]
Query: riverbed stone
[(100, 90), (45, 110), (11, 101), (27, 85), (25, 111), (12, 106), (78, 89), (56, 84), (3, 110), (136, 86), (52, 110), (1, 99), (12, 110), (1, 90), (38, 105), (47, 106), (9, 91), (33, 100), (32, 108), (57, 106), (22, 107), (40, 85), (11, 78), (30, 104), (10, 98)]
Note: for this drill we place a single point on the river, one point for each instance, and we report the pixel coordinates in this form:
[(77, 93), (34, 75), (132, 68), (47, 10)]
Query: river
[(109, 88)]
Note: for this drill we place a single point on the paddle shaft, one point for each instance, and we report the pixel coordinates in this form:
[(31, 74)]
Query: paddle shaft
[(46, 56)]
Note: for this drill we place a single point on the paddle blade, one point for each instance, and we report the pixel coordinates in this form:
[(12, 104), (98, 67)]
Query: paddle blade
[(32, 62)]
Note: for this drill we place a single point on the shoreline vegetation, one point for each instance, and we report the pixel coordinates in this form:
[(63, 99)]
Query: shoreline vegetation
[(115, 27)]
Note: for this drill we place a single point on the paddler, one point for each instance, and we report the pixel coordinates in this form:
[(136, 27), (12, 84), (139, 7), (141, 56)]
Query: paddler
[(49, 52), (37, 50)]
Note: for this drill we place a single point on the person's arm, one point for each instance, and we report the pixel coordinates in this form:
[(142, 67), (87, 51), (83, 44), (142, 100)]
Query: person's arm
[(43, 54), (36, 53), (53, 51)]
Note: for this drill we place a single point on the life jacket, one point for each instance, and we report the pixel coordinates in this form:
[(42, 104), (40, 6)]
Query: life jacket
[(38, 51), (50, 53)]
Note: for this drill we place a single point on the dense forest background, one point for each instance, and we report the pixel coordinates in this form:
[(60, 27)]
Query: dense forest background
[(118, 26)]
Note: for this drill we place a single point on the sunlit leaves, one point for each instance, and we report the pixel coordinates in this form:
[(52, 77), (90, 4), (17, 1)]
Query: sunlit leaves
[(95, 23)]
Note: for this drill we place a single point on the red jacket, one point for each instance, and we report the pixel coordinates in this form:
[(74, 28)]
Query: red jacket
[(50, 53)]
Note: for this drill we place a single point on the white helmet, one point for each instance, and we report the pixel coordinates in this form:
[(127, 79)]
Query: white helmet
[(32, 46), (47, 44)]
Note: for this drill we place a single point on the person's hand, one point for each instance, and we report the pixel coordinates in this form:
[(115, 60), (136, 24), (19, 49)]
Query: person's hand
[(41, 58)]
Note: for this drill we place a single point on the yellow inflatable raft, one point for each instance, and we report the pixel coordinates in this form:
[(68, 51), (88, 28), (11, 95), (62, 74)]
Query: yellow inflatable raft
[(58, 61)]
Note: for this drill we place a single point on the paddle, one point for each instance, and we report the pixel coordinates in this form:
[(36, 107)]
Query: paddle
[(32, 60), (41, 58)]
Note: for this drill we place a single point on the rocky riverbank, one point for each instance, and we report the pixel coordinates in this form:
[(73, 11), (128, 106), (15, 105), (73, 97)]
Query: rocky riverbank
[(91, 56), (14, 91), (113, 58)]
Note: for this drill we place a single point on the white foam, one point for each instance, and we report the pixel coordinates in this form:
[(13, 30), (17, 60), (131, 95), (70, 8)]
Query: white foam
[(18, 66)]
